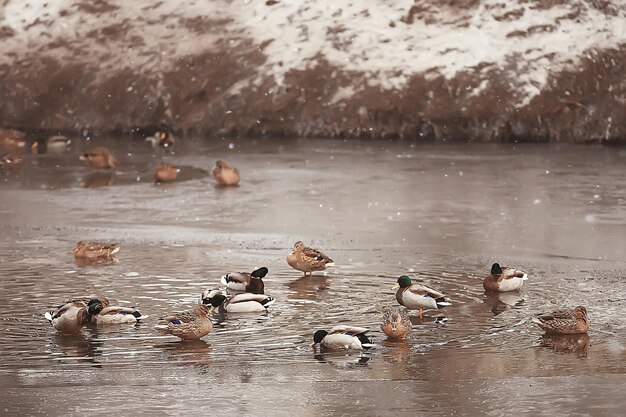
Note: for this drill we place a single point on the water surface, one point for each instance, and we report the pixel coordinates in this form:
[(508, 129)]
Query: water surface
[(440, 213)]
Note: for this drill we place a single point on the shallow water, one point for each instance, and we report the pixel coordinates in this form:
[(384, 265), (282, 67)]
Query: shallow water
[(441, 213)]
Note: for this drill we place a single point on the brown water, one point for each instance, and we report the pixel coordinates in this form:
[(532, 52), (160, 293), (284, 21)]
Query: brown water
[(379, 210)]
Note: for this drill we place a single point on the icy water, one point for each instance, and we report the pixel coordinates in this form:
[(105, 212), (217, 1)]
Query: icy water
[(441, 213)]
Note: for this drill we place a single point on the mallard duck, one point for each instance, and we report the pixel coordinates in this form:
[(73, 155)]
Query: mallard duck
[(396, 323), (417, 296), (308, 260), (188, 325), (10, 160), (224, 174), (95, 250), (54, 143), (11, 138), (343, 337), (100, 158), (103, 314), (238, 303), (564, 321), (246, 282), (165, 172), (504, 279), (70, 318), (162, 139)]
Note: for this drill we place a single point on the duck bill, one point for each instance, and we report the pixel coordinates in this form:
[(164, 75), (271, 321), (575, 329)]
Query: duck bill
[(395, 287)]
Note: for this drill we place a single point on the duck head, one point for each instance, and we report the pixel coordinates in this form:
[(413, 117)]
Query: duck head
[(496, 269)]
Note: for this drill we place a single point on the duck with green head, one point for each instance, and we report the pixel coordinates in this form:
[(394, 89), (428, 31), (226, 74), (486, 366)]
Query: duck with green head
[(342, 337), (246, 281), (416, 296), (238, 303), (504, 278), (103, 314), (72, 316)]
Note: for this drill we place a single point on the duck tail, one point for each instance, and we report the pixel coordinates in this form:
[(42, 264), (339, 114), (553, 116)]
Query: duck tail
[(524, 277), (48, 316), (442, 302), (224, 279), (138, 315), (366, 343), (268, 301)]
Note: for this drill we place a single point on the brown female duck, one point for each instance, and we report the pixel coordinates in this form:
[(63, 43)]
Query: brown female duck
[(564, 321), (308, 260), (95, 250), (165, 172), (396, 323), (224, 174), (188, 325), (100, 158)]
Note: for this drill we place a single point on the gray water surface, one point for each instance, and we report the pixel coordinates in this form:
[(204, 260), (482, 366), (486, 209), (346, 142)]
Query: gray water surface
[(440, 213)]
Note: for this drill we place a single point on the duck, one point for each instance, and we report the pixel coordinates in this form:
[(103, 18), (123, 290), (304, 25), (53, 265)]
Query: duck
[(308, 260), (103, 314), (564, 321), (246, 282), (503, 279), (188, 325), (396, 323), (54, 143), (11, 139), (95, 250), (162, 139), (71, 317), (238, 303), (10, 160), (417, 296), (224, 174), (165, 172), (100, 158), (343, 337)]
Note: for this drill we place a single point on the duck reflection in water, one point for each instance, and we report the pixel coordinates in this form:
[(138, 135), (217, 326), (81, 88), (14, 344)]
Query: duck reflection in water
[(343, 359), (567, 343), (499, 302), (77, 346), (192, 352), (398, 350), (310, 287), (99, 179)]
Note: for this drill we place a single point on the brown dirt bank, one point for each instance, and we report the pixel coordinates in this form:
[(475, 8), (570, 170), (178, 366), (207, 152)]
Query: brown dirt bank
[(67, 84)]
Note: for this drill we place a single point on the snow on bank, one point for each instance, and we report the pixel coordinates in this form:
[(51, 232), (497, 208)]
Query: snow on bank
[(372, 37), (381, 42)]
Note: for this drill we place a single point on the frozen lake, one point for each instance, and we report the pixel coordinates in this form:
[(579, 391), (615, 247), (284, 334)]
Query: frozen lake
[(443, 213)]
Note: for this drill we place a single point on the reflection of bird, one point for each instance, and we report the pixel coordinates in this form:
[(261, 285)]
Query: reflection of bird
[(343, 337), (396, 323), (564, 321), (246, 282), (95, 250), (162, 139), (499, 302), (238, 303), (504, 279), (165, 172), (56, 143), (70, 318), (100, 158), (103, 314), (567, 343), (308, 260), (417, 296), (187, 325), (224, 174)]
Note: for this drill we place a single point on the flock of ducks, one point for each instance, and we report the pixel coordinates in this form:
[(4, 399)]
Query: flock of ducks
[(101, 158), (244, 292)]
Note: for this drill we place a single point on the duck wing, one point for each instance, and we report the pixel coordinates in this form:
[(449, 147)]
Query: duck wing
[(347, 329), (316, 255), (425, 291)]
